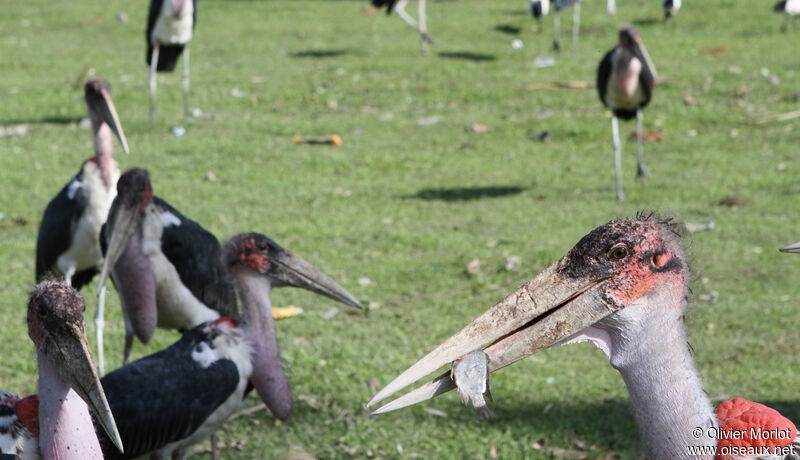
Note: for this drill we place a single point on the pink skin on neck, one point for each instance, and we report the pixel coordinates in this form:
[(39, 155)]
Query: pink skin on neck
[(103, 149), (66, 431), (628, 76)]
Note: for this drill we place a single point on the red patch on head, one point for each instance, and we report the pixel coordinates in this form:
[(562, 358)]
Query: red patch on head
[(742, 418), (253, 258), (27, 409), (225, 320)]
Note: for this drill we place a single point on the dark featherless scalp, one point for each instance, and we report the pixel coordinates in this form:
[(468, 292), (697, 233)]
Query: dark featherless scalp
[(249, 250), (54, 304), (134, 187)]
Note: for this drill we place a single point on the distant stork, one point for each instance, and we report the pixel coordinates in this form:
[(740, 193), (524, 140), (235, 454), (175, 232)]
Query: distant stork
[(168, 269), (790, 8), (170, 24), (625, 81), (67, 245), (541, 8), (670, 7), (421, 26), (57, 423), (173, 399)]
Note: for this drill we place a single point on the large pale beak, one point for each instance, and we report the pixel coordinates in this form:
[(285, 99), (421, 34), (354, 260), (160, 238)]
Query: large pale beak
[(108, 113), (641, 53), (290, 270), (792, 248), (548, 309), (68, 351)]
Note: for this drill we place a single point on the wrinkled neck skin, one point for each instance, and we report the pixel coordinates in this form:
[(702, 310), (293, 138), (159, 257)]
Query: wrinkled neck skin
[(646, 342), (65, 426), (103, 144), (268, 376)]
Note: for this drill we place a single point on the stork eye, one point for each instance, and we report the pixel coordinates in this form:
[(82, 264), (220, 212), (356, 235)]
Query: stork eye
[(42, 311), (262, 245), (618, 252)]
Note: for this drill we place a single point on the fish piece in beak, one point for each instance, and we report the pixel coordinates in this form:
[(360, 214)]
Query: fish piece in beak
[(606, 271), (55, 324), (470, 373)]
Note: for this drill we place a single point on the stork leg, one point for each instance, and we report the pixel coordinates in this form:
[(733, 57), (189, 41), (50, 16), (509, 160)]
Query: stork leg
[(68, 274), (641, 171), (214, 446), (423, 27), (186, 82), (556, 31), (153, 67), (611, 7), (576, 28), (617, 156), (400, 8)]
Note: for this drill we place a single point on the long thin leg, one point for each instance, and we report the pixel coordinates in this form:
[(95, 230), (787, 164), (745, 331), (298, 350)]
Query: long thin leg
[(214, 446), (423, 26), (186, 81), (641, 171), (576, 28), (400, 8), (611, 7), (153, 67), (556, 30), (68, 274), (617, 156), (126, 354), (99, 325)]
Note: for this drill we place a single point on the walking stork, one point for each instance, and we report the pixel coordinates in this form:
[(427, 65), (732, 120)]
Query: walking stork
[(624, 288), (67, 245), (169, 270), (420, 26), (170, 24), (541, 8), (56, 423), (791, 8), (625, 81), (173, 399)]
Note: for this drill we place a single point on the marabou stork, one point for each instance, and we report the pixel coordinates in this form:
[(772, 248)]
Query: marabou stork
[(624, 288), (625, 81), (68, 244), (790, 8), (170, 24), (168, 269), (421, 27), (670, 7), (56, 423), (541, 8), (172, 399)]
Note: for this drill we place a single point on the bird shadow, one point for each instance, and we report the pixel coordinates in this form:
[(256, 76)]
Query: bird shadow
[(508, 29), (646, 22), (465, 193), (318, 54), (56, 120), (467, 56)]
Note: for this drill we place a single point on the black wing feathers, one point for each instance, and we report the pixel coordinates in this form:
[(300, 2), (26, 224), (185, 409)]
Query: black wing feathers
[(197, 256)]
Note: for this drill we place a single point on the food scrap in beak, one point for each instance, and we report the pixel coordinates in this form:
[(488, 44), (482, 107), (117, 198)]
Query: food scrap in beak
[(470, 373)]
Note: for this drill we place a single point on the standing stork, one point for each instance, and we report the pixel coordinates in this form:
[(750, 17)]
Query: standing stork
[(68, 244), (170, 400), (670, 7), (170, 24), (790, 8), (624, 288), (421, 27), (56, 423), (625, 81), (168, 269), (541, 8)]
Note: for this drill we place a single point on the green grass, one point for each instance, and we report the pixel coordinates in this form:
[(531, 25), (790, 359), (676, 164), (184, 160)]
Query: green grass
[(377, 207)]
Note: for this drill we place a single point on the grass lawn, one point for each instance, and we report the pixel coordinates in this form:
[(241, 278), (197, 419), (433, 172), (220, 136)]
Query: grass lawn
[(408, 207)]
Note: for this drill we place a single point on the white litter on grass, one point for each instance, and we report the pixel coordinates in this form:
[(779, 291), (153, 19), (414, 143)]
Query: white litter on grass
[(516, 43), (178, 131), (544, 61), (330, 313)]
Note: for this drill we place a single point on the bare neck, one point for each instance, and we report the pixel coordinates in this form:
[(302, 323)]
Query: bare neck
[(65, 426), (103, 150), (652, 353)]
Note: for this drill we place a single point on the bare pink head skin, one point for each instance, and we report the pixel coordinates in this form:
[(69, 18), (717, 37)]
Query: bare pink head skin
[(105, 124), (623, 287), (258, 264), (69, 387)]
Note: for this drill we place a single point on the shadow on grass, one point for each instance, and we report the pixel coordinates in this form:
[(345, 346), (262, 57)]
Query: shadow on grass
[(318, 54), (466, 193), (467, 56), (61, 120), (508, 29), (645, 22)]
